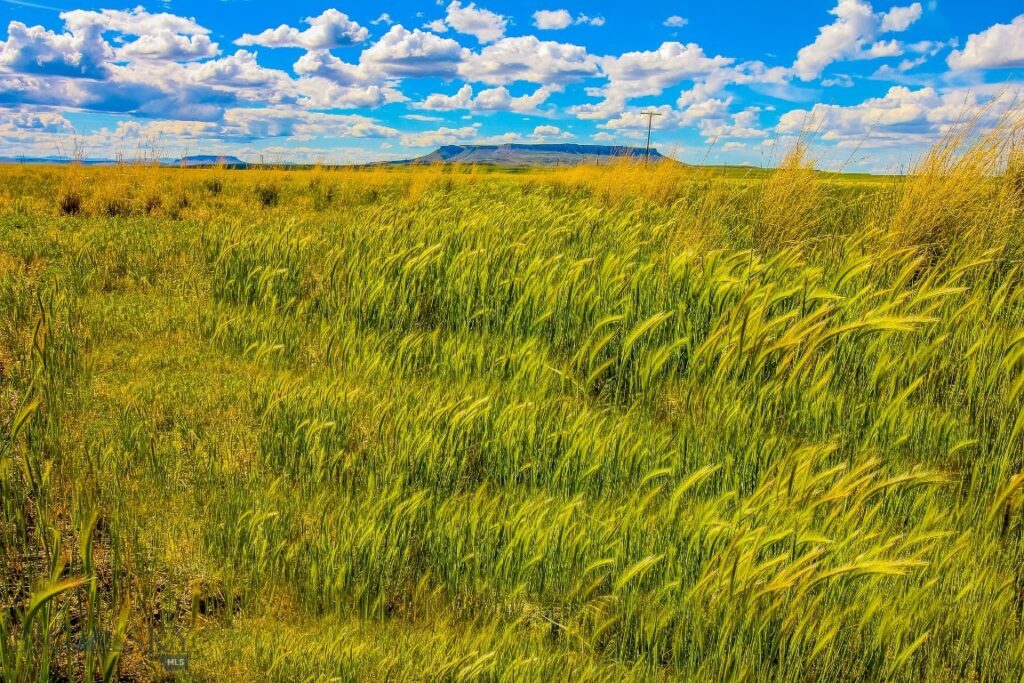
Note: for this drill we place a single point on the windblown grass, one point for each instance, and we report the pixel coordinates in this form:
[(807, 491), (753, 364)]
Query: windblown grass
[(443, 424)]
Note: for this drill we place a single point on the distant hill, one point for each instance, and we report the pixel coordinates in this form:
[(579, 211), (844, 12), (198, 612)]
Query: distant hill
[(530, 155), (197, 160), (208, 160), (54, 160)]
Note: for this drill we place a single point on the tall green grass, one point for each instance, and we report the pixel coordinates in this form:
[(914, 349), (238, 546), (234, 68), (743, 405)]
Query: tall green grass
[(591, 424)]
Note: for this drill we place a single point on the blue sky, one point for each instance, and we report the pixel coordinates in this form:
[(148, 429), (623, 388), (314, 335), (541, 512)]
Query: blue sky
[(734, 81)]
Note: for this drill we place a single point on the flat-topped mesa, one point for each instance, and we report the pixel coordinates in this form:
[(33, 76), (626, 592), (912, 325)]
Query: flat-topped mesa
[(514, 154), (208, 160)]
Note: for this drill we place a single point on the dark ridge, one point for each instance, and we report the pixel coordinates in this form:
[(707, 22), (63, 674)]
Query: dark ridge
[(208, 160), (563, 154)]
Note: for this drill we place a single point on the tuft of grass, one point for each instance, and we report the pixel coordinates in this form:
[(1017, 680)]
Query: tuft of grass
[(69, 203), (322, 192), (955, 192), (152, 202), (268, 194), (70, 200), (214, 186), (116, 206), (789, 203)]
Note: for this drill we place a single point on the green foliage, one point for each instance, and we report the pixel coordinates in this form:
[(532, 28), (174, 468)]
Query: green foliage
[(416, 425), (268, 194), (70, 202)]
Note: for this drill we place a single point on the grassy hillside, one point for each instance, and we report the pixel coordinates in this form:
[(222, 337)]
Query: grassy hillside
[(595, 424)]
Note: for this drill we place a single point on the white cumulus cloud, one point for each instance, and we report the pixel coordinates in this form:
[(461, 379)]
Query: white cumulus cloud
[(901, 117), (441, 136), (557, 19), (492, 99), (998, 47), (166, 45), (484, 25), (527, 58), (415, 53), (36, 50), (329, 30), (900, 18), (549, 132), (552, 19), (852, 35)]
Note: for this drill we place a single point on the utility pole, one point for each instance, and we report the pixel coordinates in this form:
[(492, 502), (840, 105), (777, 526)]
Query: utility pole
[(650, 122)]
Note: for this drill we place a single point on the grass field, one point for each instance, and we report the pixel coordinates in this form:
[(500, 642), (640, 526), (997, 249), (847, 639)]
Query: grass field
[(594, 424)]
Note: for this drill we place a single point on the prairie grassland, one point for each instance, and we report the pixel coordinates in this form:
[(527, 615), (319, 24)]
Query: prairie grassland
[(442, 424)]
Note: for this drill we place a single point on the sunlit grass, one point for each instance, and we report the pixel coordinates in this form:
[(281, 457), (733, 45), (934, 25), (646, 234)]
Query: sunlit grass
[(602, 423)]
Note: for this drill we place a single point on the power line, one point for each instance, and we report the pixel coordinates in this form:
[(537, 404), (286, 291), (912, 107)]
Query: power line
[(650, 122)]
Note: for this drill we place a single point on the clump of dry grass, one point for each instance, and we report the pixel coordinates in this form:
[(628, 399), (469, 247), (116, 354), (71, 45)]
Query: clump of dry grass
[(962, 188), (115, 201), (70, 199), (1013, 179), (213, 185), (627, 179), (789, 203), (179, 202), (322, 191), (267, 193), (69, 202)]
